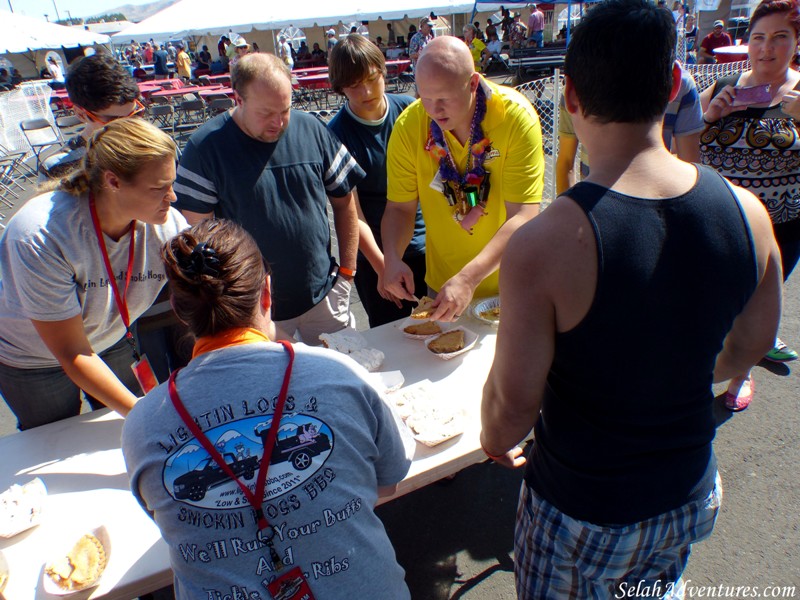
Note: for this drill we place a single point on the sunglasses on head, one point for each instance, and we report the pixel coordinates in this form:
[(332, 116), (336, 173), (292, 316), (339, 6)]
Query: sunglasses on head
[(138, 111)]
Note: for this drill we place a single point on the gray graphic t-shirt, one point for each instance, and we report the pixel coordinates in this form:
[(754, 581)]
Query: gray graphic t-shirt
[(51, 269), (336, 444)]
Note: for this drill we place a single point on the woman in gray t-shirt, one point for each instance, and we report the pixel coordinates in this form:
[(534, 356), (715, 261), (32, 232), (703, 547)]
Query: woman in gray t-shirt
[(62, 328)]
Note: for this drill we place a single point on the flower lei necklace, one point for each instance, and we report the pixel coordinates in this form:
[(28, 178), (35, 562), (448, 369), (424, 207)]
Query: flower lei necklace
[(467, 193)]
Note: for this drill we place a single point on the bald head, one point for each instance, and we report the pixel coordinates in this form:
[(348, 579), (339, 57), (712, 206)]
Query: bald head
[(260, 67), (447, 58)]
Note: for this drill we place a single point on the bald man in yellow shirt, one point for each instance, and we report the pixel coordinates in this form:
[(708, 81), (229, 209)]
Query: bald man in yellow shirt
[(470, 152)]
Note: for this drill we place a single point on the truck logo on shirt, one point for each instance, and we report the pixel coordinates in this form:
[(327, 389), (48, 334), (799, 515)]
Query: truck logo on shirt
[(301, 449)]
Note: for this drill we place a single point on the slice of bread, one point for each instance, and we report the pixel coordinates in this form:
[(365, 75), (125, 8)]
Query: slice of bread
[(426, 328), (424, 309), (452, 341)]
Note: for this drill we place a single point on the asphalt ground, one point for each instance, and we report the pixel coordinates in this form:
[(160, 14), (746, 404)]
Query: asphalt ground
[(455, 537)]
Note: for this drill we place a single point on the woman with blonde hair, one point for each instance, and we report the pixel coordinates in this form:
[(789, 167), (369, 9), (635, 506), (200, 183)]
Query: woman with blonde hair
[(301, 444), (79, 265)]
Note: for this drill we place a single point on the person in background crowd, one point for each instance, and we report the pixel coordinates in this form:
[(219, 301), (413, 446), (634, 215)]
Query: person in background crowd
[(506, 24), (222, 50), (519, 32), (536, 26), (147, 55), (757, 144), (358, 71), (476, 47), (204, 59), (469, 153), (240, 48), (220, 287), (331, 35), (478, 33), (257, 49), (229, 169), (391, 36), (303, 52), (420, 39), (718, 38), (317, 54), (183, 64), (490, 29), (160, 60), (101, 90), (172, 52), (54, 69), (622, 480), (691, 40), (66, 329), (285, 52), (379, 43), (139, 74), (493, 50)]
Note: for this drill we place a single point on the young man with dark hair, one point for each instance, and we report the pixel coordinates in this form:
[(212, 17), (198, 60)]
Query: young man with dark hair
[(357, 70), (622, 478), (100, 90)]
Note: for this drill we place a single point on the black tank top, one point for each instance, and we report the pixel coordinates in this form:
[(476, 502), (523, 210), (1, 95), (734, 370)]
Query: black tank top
[(627, 422)]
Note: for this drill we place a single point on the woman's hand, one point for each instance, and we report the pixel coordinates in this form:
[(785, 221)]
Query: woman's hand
[(722, 105), (790, 104)]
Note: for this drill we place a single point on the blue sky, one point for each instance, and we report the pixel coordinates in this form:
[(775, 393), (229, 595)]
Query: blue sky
[(76, 8)]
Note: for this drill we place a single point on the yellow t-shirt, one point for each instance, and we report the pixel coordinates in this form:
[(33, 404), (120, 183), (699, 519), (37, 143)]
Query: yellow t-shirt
[(184, 64), (515, 164), (476, 49)]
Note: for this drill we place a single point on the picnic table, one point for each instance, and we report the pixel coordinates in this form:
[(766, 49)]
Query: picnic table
[(81, 464)]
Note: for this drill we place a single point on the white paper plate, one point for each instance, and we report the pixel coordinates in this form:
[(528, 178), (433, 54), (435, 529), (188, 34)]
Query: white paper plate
[(21, 507), (439, 434), (51, 587), (3, 572), (470, 338), (417, 405), (485, 305), (413, 336), (387, 381)]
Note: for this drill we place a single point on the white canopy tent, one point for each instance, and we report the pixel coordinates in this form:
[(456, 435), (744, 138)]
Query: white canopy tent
[(25, 41), (19, 33), (211, 17)]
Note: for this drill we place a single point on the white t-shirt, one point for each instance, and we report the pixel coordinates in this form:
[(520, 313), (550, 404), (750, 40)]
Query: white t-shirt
[(51, 269)]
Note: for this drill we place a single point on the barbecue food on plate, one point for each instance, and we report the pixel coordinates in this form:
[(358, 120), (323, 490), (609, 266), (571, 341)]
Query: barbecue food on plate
[(426, 328), (424, 309), (452, 341), (81, 567)]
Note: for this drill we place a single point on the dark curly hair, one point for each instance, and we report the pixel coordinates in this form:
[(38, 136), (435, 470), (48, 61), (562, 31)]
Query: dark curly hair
[(98, 81)]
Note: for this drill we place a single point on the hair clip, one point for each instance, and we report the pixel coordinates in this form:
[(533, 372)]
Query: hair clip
[(202, 261)]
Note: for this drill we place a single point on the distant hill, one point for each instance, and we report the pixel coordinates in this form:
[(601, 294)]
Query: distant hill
[(140, 12)]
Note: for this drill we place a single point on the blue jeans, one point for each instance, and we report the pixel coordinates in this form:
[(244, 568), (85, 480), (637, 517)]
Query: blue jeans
[(41, 396), (538, 37)]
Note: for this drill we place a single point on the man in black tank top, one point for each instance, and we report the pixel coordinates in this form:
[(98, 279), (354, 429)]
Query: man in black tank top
[(622, 477)]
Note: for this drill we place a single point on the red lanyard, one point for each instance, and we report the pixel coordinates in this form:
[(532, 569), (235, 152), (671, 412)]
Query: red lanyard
[(255, 499), (121, 300)]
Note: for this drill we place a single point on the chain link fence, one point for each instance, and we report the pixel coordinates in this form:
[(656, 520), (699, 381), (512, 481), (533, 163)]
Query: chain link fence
[(545, 96)]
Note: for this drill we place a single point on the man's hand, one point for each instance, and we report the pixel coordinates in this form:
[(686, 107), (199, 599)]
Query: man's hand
[(454, 298), (511, 459), (398, 280), (384, 293)]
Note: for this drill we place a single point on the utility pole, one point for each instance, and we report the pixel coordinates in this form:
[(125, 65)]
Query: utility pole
[(58, 17), (47, 18), (10, 6), (69, 14)]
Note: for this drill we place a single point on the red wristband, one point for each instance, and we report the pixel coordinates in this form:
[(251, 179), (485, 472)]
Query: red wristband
[(347, 272)]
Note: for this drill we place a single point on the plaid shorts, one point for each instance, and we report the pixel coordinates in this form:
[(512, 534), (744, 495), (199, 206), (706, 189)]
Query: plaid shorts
[(557, 557)]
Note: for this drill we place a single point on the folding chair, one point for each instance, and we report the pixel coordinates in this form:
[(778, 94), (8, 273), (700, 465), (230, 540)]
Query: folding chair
[(219, 105), (41, 135), (324, 114), (162, 116)]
